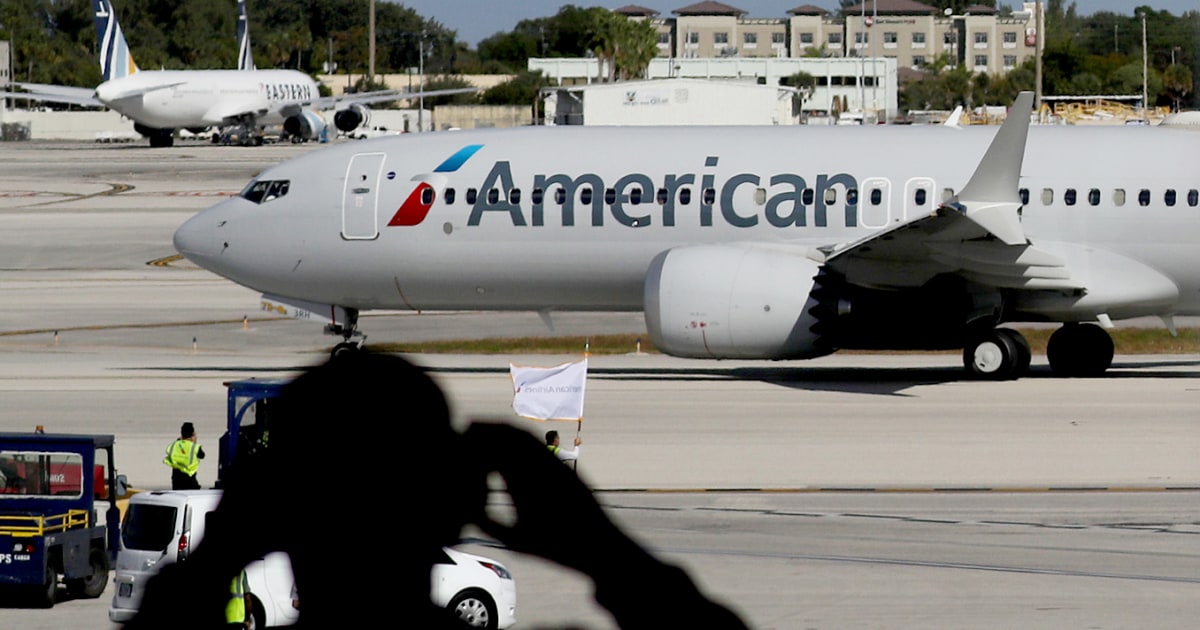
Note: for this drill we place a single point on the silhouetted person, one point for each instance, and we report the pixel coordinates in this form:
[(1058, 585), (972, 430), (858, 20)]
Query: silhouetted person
[(373, 425)]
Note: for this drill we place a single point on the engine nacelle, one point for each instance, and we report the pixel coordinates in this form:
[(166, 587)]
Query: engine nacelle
[(733, 302), (350, 118), (307, 125)]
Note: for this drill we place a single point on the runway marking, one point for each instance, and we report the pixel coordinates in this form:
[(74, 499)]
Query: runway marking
[(165, 261), (114, 189)]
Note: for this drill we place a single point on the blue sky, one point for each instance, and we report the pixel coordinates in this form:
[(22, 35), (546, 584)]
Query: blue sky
[(477, 19)]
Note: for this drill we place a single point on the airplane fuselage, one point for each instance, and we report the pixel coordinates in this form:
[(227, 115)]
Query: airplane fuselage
[(171, 99), (571, 218)]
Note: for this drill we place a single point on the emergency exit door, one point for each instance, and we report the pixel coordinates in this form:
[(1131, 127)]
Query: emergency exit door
[(360, 199)]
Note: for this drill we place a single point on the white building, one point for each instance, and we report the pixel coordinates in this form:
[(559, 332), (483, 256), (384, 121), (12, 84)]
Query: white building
[(669, 102)]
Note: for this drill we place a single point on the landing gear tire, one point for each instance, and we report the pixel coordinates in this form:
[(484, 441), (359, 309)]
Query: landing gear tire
[(1024, 354), (996, 355), (1080, 350), (92, 586), (344, 349)]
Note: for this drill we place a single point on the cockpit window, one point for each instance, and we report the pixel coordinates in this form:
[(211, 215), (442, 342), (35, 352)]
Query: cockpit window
[(262, 191)]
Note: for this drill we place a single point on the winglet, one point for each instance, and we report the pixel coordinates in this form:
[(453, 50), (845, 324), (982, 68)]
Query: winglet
[(115, 59), (991, 198), (245, 55)]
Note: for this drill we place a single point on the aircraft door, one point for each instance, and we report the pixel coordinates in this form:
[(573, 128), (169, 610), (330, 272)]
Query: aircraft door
[(360, 198), (918, 197), (875, 202)]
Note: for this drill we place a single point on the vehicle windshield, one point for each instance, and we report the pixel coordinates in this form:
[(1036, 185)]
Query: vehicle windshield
[(41, 473)]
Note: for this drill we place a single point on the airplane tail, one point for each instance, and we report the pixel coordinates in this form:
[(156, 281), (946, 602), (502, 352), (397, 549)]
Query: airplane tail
[(245, 56), (116, 60)]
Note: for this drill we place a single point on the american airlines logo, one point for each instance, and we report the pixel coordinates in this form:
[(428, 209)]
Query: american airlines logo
[(639, 200)]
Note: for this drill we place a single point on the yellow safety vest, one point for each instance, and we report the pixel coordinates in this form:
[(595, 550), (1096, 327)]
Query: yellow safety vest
[(235, 610), (553, 448), (182, 456)]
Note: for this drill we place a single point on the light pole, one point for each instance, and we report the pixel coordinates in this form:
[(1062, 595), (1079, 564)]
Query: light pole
[(1145, 65)]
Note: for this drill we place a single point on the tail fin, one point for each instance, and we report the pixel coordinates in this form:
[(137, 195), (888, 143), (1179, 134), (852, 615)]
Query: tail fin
[(245, 56), (115, 59)]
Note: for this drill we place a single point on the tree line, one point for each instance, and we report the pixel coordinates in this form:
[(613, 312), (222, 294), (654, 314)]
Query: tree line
[(54, 41)]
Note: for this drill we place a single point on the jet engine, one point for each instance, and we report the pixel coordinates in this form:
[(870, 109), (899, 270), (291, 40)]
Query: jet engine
[(351, 118), (307, 125), (735, 302)]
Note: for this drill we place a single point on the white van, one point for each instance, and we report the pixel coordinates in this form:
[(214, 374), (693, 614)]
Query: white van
[(162, 527)]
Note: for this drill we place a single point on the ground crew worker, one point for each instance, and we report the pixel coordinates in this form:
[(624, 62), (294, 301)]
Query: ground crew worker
[(561, 453), (183, 456), (238, 610)]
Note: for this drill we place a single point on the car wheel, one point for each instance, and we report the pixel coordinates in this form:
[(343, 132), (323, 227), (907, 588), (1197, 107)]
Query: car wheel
[(475, 607)]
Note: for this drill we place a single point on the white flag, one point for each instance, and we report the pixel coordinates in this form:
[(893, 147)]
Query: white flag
[(554, 393)]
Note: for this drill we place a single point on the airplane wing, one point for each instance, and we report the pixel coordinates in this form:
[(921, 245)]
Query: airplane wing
[(976, 234), (54, 94), (384, 96), (229, 112)]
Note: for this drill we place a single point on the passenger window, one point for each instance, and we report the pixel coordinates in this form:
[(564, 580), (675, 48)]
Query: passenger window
[(685, 196), (472, 195), (1069, 196), (514, 195), (807, 196), (448, 196), (426, 196), (1094, 196), (1143, 197), (560, 196), (1169, 197), (661, 198), (830, 196), (1119, 197), (919, 197), (635, 196), (536, 196), (610, 196), (1024, 192), (760, 196), (493, 195), (709, 196), (876, 197), (1193, 197), (585, 196), (1047, 196), (852, 196)]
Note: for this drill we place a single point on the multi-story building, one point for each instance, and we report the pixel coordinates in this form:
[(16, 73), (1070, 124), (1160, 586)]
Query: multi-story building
[(911, 32)]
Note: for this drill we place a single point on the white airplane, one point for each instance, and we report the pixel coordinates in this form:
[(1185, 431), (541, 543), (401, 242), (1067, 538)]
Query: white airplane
[(746, 243), (161, 101)]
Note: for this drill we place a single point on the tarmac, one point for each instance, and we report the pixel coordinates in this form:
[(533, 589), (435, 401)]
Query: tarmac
[(855, 490)]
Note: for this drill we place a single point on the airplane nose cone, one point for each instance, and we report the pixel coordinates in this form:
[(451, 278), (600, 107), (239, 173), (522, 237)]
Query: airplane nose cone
[(197, 238)]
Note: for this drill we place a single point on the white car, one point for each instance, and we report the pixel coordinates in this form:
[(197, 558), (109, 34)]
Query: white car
[(479, 589)]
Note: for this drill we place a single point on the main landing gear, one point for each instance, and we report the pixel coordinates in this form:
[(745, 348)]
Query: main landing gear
[(1073, 350), (999, 354), (348, 331)]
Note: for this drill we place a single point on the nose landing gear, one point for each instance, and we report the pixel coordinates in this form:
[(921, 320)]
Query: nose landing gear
[(348, 331)]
